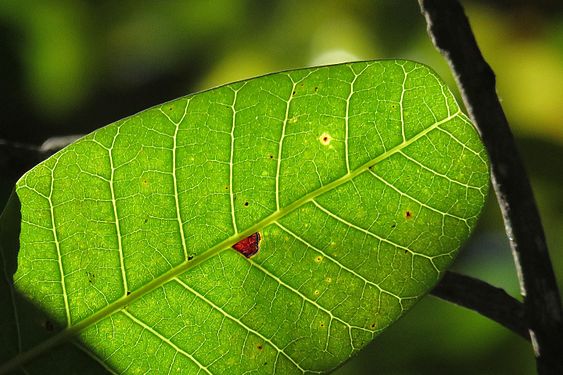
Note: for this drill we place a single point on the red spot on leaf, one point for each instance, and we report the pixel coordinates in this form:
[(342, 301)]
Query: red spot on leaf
[(249, 246)]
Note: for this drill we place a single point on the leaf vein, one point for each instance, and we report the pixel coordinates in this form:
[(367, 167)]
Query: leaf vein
[(115, 214), (402, 193), (382, 239), (239, 322), (342, 266), (164, 339)]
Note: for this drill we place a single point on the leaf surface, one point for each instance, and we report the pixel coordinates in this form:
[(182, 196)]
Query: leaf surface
[(362, 180)]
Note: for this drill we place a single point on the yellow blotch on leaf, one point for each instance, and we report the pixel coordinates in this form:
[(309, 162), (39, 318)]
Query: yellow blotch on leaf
[(325, 139)]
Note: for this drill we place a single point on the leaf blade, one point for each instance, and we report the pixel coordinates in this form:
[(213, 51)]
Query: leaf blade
[(284, 155)]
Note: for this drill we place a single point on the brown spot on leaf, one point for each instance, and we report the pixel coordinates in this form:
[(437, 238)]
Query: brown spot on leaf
[(325, 139), (408, 214), (260, 347)]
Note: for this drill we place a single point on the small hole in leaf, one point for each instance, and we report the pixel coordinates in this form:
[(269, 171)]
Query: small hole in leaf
[(190, 257), (318, 259), (146, 220), (293, 93), (128, 292), (372, 326), (322, 324), (48, 325), (259, 347), (393, 225), (271, 156), (246, 204), (316, 88)]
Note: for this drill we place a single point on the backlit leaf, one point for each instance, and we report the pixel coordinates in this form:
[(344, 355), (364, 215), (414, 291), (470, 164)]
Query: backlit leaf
[(355, 185)]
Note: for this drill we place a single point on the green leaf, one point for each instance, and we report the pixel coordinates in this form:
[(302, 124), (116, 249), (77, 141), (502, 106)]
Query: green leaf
[(362, 179)]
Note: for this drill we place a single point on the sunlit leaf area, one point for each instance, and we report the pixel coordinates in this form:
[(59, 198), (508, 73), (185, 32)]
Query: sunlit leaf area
[(70, 67)]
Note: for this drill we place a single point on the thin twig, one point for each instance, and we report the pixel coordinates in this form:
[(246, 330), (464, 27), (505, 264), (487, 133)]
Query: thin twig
[(451, 33), (16, 158), (487, 300)]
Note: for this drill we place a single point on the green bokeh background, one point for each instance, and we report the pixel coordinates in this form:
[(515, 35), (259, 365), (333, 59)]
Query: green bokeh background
[(69, 67)]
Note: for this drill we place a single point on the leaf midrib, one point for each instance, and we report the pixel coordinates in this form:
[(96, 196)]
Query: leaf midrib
[(117, 305)]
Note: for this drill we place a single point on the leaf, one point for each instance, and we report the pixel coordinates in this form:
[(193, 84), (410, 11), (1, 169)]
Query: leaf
[(359, 182)]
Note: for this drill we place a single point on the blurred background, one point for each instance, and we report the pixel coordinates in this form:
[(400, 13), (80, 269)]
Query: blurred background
[(69, 67)]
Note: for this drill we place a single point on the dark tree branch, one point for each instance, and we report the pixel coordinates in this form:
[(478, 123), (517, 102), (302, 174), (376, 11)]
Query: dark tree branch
[(451, 33), (487, 300)]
